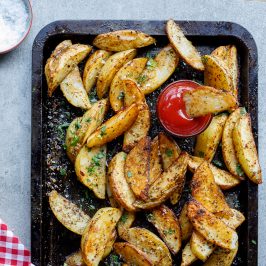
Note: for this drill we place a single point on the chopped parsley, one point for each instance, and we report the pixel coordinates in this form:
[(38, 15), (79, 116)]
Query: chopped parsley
[(151, 64), (239, 170), (74, 141), (114, 260), (204, 59), (254, 242), (169, 152), (141, 79), (150, 217), (217, 163), (63, 171), (61, 129), (121, 95), (91, 207), (103, 131), (95, 162), (170, 231), (92, 97), (77, 125), (64, 146), (124, 218), (149, 55), (129, 174), (201, 154), (243, 111), (88, 120)]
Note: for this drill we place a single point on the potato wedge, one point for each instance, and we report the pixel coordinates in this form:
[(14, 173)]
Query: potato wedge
[(208, 141), (59, 48), (118, 182), (207, 100), (221, 53), (149, 243), (158, 70), (62, 63), (187, 256), (141, 126), (73, 90), (245, 148), (130, 70), (229, 153), (137, 168), (75, 259), (216, 73), (131, 254), (222, 178), (221, 257), (114, 127), (234, 220), (122, 40), (125, 222), (232, 63), (211, 227), (93, 67), (110, 68), (168, 227), (110, 244), (111, 198), (98, 233), (90, 169), (185, 224), (169, 150), (183, 46), (155, 161), (206, 191), (68, 213)]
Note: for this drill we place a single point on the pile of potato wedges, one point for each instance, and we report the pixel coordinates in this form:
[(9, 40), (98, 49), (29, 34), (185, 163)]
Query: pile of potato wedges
[(149, 175)]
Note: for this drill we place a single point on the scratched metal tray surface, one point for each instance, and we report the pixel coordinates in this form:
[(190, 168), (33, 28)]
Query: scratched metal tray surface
[(51, 169)]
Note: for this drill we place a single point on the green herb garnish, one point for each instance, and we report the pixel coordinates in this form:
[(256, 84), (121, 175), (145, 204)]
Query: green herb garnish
[(129, 174), (254, 242), (169, 152), (217, 163), (151, 64), (141, 79), (61, 129), (243, 111), (201, 154), (88, 120), (77, 125), (150, 217), (170, 231), (63, 171), (204, 59), (103, 131), (124, 218), (121, 95), (239, 170), (114, 260), (74, 141)]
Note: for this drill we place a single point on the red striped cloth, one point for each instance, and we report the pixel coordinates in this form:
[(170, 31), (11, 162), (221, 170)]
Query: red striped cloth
[(12, 251)]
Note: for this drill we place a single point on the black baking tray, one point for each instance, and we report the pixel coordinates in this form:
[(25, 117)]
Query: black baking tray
[(50, 241)]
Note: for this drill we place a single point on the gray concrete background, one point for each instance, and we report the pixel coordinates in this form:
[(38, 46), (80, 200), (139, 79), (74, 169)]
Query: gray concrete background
[(15, 86)]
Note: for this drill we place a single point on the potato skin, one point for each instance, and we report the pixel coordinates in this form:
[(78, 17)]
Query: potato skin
[(187, 256), (185, 224)]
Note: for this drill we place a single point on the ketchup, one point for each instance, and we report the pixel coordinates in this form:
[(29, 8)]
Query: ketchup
[(172, 111)]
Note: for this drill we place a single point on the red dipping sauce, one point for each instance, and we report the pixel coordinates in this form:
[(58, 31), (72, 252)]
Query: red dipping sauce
[(172, 114)]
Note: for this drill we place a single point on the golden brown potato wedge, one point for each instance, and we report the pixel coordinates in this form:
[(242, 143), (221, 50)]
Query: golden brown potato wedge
[(232, 63), (221, 53), (73, 90), (118, 182), (111, 198), (125, 222), (149, 243), (110, 68), (155, 161), (183, 46), (229, 153), (234, 220), (62, 62), (59, 48), (207, 100), (93, 67), (122, 40), (222, 178), (168, 227), (110, 244), (67, 213), (97, 234), (211, 227), (90, 169), (158, 70), (75, 259), (185, 224), (137, 168), (208, 141), (131, 254), (141, 126), (130, 70), (206, 191), (216, 74), (114, 127), (245, 148), (187, 256)]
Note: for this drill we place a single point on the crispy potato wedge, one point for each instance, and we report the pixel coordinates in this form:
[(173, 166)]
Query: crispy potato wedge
[(221, 53), (118, 182), (122, 40), (168, 227), (137, 168), (221, 257), (222, 178), (73, 90), (67, 213), (206, 191), (158, 70), (232, 63), (131, 254), (59, 48), (62, 62), (229, 153), (125, 222), (245, 148), (75, 259), (149, 243), (110, 244), (110, 68), (185, 224), (130, 70), (207, 100), (216, 73), (147, 205), (90, 169), (114, 127), (93, 67), (97, 234), (111, 198), (208, 141), (211, 227), (183, 46), (141, 126), (155, 161), (187, 256), (234, 220)]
